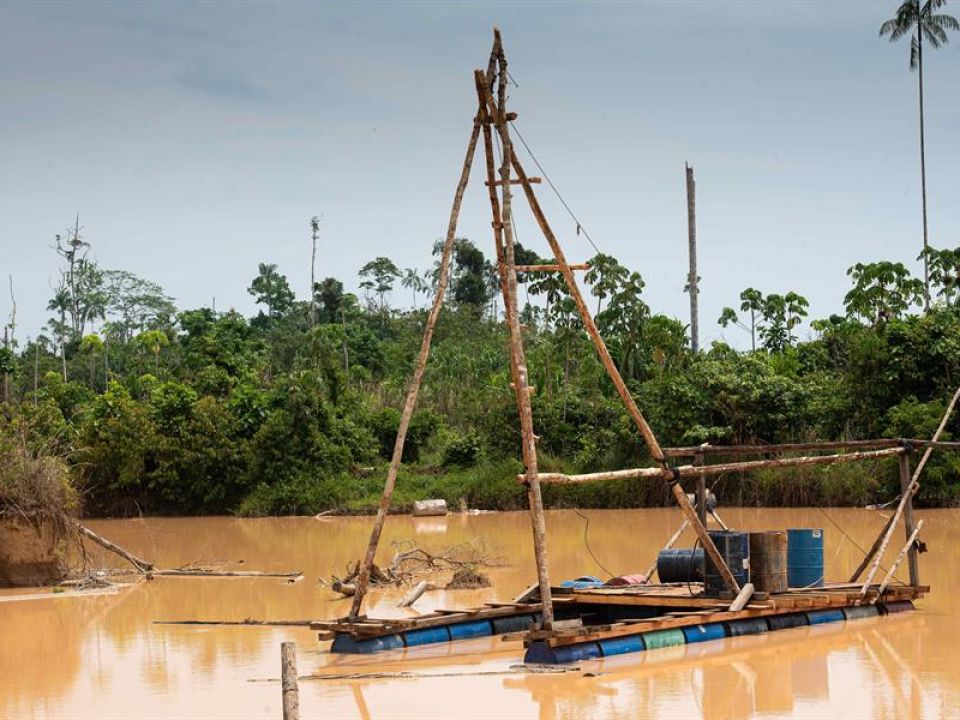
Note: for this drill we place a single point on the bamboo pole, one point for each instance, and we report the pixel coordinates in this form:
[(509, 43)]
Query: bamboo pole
[(141, 565), (907, 496), (444, 276), (644, 428), (288, 681), (911, 541), (719, 468)]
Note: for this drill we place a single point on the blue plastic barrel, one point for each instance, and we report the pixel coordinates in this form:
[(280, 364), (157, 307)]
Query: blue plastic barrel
[(804, 557), (861, 611), (584, 581), (818, 617), (541, 653), (785, 622), (657, 639), (621, 645), (747, 626), (898, 607), (343, 643), (426, 636), (734, 548), (702, 633), (477, 628), (514, 623)]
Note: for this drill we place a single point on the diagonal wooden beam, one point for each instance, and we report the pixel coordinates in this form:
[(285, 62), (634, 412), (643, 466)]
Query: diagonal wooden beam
[(645, 431)]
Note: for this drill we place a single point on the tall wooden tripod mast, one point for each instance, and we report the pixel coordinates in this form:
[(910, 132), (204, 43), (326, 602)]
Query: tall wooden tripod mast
[(491, 117)]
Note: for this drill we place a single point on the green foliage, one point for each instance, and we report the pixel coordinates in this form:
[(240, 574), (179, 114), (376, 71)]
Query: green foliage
[(882, 291), (204, 411), (462, 450)]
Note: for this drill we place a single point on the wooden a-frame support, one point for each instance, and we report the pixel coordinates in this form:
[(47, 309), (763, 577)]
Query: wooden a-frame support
[(492, 115)]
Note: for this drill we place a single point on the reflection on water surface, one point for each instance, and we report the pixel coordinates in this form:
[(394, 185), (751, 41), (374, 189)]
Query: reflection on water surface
[(101, 657)]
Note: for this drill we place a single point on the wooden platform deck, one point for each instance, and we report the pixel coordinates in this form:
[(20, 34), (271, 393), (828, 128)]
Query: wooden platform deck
[(697, 609), (365, 628), (673, 606)]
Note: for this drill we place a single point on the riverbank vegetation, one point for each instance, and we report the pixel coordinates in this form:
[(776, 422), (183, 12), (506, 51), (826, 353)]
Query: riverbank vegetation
[(159, 409)]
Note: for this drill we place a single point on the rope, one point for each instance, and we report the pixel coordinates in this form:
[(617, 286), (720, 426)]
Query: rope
[(854, 542), (586, 542), (580, 227)]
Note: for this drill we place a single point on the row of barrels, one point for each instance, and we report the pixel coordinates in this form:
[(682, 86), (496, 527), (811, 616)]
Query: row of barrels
[(773, 560), (540, 652)]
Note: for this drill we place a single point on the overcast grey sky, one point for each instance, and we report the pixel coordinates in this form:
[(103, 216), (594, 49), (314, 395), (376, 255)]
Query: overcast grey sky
[(196, 140)]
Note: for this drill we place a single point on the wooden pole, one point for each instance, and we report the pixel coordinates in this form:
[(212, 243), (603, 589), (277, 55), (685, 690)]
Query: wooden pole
[(141, 565), (909, 547), (649, 438), (701, 490), (693, 285), (444, 276), (504, 239), (708, 449), (907, 496), (719, 468), (908, 522), (871, 552), (288, 681), (670, 543)]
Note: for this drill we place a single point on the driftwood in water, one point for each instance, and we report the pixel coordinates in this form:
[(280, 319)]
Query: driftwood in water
[(247, 621), (201, 572), (141, 565), (419, 589)]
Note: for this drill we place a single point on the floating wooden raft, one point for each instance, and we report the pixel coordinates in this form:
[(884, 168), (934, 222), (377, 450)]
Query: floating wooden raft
[(648, 602), (366, 635)]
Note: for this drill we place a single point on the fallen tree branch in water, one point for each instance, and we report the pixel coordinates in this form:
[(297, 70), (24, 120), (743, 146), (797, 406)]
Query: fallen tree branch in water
[(412, 563)]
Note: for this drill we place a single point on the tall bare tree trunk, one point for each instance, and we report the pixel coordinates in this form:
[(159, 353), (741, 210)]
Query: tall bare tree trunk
[(315, 231), (923, 169), (692, 280)]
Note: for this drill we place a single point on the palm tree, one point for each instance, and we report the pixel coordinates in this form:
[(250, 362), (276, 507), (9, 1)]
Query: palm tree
[(919, 20), (61, 303), (411, 279)]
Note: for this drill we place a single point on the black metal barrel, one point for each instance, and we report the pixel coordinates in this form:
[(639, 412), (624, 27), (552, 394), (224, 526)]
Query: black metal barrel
[(680, 565), (734, 548)]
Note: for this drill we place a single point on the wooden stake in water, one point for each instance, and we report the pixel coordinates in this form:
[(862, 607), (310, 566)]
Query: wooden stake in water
[(288, 681)]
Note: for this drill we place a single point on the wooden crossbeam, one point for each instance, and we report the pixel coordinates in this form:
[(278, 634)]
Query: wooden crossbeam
[(550, 268), (499, 183)]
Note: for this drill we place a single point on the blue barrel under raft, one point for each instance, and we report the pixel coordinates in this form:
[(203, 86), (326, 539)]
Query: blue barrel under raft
[(805, 557), (541, 653), (734, 548), (344, 643)]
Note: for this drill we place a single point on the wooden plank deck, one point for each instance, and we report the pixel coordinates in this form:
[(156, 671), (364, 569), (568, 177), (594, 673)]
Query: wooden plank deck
[(682, 606), (830, 596), (365, 627)]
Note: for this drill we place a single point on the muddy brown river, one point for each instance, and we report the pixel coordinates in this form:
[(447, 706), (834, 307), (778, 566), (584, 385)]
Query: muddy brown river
[(103, 657)]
